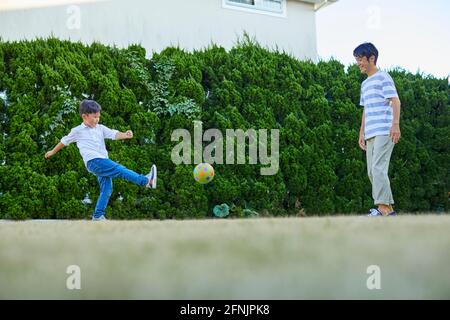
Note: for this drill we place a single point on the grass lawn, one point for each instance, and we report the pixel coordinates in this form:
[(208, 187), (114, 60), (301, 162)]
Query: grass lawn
[(262, 258)]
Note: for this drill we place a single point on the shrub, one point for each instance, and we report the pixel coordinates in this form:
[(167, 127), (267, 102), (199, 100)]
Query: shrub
[(315, 107)]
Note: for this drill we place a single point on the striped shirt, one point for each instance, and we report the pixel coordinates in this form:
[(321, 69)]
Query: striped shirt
[(375, 92), (90, 141)]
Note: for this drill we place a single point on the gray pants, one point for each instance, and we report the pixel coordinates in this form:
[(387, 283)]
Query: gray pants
[(378, 152)]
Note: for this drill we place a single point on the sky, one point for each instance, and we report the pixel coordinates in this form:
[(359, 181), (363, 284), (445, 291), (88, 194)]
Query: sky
[(411, 34)]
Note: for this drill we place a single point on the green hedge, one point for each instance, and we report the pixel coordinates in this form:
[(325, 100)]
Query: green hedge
[(315, 107)]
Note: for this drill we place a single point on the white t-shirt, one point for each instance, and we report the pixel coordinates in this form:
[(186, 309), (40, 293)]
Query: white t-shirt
[(90, 141)]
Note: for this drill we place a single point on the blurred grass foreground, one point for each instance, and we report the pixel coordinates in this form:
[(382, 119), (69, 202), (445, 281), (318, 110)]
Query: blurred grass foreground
[(261, 258)]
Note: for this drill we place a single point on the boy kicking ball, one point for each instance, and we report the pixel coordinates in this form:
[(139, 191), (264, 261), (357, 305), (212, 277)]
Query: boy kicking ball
[(90, 138)]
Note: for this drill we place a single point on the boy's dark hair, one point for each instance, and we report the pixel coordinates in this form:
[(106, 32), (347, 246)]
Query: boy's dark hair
[(89, 106), (367, 50)]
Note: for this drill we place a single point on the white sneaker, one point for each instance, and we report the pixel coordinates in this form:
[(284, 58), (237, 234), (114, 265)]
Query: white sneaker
[(374, 213), (152, 177), (101, 218)]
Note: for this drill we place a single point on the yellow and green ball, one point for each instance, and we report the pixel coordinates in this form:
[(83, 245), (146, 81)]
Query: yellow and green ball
[(203, 173)]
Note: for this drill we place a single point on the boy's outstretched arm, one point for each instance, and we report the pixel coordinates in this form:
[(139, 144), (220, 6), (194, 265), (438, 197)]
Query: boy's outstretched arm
[(124, 135), (58, 147)]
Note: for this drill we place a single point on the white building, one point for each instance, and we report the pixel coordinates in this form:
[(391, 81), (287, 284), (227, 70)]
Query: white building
[(156, 24)]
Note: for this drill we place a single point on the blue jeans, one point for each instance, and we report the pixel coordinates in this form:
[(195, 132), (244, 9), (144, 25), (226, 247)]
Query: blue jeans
[(105, 170)]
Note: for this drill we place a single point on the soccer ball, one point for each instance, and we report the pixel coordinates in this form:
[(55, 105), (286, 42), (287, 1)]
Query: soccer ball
[(203, 173)]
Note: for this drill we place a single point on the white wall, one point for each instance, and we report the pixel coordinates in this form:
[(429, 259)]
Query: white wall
[(156, 24)]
